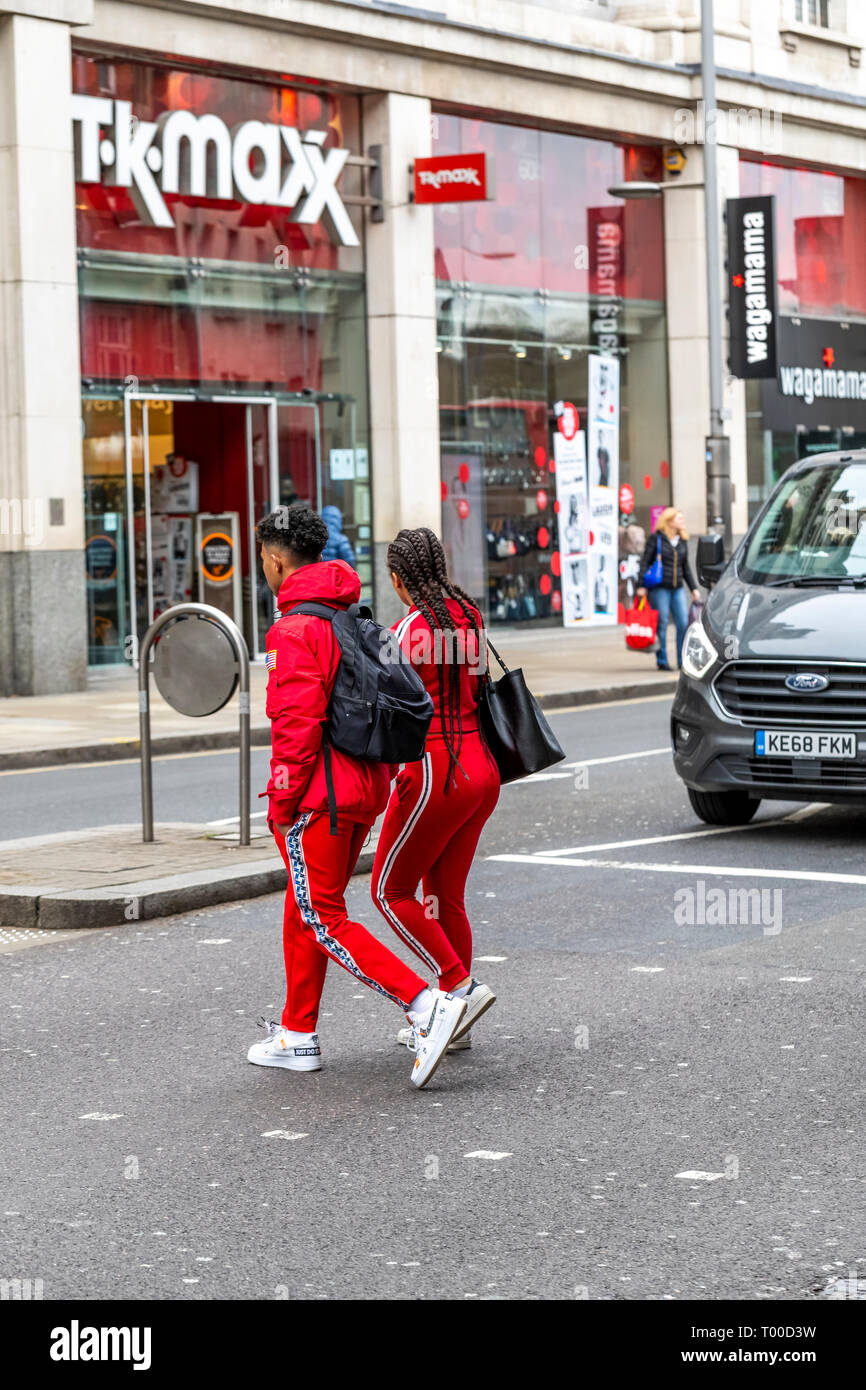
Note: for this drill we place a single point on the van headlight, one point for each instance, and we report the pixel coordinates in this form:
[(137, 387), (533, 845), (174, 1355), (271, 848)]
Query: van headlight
[(699, 654)]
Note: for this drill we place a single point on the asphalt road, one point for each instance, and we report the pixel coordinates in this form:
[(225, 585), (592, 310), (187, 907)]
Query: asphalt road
[(656, 1108)]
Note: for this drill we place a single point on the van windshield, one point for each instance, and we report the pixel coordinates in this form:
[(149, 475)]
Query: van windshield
[(814, 529)]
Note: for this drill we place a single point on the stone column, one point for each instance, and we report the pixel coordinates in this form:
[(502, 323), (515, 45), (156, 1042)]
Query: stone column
[(43, 629), (401, 340), (688, 346)]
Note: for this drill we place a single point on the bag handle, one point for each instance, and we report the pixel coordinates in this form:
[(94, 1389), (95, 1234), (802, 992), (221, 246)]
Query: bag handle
[(490, 645)]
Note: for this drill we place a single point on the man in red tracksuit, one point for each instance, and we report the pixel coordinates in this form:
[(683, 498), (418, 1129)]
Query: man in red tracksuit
[(303, 657)]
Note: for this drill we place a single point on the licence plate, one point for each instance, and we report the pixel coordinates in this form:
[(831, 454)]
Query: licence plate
[(804, 743)]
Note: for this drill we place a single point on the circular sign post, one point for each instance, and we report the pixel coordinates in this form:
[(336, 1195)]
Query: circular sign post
[(200, 666)]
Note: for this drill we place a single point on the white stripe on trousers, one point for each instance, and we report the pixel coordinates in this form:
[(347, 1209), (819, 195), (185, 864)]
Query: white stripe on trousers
[(402, 838), (300, 876)]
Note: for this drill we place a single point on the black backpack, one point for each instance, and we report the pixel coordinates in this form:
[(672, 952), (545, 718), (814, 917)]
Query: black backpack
[(380, 709)]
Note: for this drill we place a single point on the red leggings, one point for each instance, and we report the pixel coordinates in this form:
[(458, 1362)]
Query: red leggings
[(316, 924), (429, 837)]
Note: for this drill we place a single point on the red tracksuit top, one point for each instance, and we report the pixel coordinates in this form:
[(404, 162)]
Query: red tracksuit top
[(303, 656), (418, 641)]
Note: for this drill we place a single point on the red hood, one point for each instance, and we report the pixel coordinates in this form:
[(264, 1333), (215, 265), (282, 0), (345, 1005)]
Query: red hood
[(327, 581)]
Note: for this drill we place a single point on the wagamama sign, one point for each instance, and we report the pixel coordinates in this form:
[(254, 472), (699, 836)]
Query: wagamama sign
[(253, 162)]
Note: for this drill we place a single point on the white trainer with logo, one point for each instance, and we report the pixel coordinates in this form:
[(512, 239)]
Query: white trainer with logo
[(433, 1033), (277, 1051), (406, 1038), (479, 998)]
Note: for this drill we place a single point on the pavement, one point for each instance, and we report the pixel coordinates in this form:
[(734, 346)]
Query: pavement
[(562, 667), (102, 875), (657, 1108)]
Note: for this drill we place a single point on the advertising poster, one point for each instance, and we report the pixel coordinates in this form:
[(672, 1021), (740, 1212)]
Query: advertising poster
[(171, 548), (572, 496), (603, 471), (463, 529)]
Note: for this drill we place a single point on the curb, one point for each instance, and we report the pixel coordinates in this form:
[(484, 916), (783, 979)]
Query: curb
[(150, 898), (127, 750)]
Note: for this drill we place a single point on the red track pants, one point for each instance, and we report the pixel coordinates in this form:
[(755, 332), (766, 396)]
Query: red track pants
[(429, 837), (316, 925)]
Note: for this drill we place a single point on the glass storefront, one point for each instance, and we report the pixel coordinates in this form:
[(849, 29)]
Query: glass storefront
[(519, 289), (223, 356), (817, 403)]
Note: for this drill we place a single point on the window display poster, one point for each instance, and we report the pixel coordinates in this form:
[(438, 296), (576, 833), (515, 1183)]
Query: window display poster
[(174, 485), (463, 531), (603, 470), (572, 495), (171, 549)]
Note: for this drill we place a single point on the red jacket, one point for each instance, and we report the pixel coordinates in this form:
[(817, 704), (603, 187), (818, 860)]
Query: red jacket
[(303, 656), (419, 642)]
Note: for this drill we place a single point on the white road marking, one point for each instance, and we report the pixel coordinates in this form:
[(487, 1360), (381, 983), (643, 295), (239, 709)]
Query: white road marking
[(98, 1115), (795, 979), (713, 870), (282, 1134), (697, 1175), (487, 1153), (232, 820), (491, 960), (802, 814), (587, 762), (214, 941), (647, 969)]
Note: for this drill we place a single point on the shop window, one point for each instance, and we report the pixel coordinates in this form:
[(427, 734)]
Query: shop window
[(820, 233), (520, 284)]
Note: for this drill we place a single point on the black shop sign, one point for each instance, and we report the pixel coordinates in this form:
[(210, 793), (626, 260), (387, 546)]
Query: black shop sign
[(821, 376), (752, 307)]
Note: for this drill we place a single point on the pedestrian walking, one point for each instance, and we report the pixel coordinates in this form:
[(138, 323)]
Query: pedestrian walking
[(338, 546), (438, 806), (666, 572), (303, 659)]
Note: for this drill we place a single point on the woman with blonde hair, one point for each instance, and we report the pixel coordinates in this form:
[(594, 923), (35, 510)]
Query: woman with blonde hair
[(665, 570)]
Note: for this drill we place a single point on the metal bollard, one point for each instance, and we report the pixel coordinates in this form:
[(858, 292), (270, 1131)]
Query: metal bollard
[(202, 610)]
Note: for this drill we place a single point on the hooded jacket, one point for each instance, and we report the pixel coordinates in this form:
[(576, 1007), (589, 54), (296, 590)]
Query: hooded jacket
[(338, 545), (302, 658)]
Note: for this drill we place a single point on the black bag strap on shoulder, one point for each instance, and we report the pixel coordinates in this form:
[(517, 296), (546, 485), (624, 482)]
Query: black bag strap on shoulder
[(315, 610), (329, 783), (496, 654), (347, 656)]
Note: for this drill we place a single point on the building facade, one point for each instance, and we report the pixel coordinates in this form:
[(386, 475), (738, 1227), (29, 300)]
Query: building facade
[(219, 294)]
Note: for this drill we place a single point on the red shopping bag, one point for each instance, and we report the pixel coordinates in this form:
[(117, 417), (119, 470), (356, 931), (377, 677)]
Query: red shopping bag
[(641, 625)]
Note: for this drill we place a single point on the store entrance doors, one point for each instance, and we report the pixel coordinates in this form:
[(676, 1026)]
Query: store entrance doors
[(174, 486), (200, 472)]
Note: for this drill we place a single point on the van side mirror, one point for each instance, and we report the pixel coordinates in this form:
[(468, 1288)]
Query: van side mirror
[(711, 560)]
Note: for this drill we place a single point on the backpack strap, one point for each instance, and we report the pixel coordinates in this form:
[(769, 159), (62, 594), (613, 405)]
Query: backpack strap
[(329, 783), (347, 654), (315, 610)]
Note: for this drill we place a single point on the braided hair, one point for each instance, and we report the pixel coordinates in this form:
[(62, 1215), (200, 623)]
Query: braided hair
[(418, 559)]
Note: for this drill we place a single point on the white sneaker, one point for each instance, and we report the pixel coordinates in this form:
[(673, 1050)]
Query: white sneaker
[(478, 1000), (406, 1038), (276, 1051), (434, 1033)]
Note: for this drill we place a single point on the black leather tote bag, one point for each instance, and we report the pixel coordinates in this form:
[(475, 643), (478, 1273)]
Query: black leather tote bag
[(516, 731)]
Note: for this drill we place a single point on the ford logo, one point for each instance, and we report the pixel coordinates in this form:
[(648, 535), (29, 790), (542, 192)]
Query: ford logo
[(807, 682)]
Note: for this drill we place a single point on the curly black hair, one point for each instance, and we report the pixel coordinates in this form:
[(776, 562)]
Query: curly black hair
[(297, 530), (418, 558)]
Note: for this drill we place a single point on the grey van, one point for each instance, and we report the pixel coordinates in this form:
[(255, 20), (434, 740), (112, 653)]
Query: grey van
[(771, 701)]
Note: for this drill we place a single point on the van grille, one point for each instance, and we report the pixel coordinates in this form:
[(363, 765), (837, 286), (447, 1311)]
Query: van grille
[(777, 772), (755, 691)]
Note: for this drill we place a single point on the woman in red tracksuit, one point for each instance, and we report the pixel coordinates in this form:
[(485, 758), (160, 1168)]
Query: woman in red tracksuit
[(303, 658), (439, 805)]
